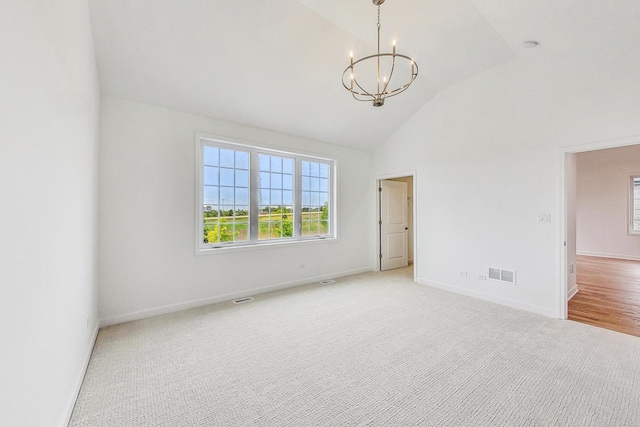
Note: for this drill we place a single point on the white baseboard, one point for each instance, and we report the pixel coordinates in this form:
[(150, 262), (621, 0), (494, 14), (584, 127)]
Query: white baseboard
[(605, 255), (572, 292), (532, 308), (80, 379), (142, 314)]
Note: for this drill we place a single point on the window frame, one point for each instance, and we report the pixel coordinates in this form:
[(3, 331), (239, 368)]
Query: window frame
[(202, 140), (631, 230)]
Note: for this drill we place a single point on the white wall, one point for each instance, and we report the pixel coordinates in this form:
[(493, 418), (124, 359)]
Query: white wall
[(603, 201), (147, 210), (488, 157), (48, 208)]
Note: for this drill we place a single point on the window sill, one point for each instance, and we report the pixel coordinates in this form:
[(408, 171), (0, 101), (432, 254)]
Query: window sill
[(261, 246)]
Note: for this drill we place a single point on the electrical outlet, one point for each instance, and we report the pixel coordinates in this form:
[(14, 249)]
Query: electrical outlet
[(482, 277), (544, 217), (463, 274)]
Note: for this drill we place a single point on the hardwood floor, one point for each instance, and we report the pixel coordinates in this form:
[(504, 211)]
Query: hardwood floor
[(608, 294)]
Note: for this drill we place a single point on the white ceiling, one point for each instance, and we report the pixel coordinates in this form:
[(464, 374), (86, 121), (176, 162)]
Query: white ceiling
[(277, 64)]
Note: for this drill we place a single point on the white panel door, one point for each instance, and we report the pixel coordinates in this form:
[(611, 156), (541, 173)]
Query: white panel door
[(394, 247)]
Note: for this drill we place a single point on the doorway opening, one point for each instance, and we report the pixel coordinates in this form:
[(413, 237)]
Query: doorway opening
[(601, 265), (395, 229)]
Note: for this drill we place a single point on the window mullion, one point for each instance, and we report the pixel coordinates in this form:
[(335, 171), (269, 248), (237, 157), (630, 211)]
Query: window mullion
[(297, 199), (253, 195)]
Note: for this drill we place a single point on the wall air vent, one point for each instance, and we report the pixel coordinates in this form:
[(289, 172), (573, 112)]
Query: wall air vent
[(494, 273), (242, 300), (506, 276)]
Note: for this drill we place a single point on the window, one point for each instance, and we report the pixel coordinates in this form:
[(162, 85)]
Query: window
[(634, 206), (250, 196)]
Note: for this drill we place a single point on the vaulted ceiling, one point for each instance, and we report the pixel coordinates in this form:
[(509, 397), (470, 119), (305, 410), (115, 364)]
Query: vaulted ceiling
[(277, 64)]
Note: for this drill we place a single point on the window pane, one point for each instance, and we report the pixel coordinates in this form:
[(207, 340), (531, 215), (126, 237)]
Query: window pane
[(276, 180), (242, 178), (305, 184), (324, 170), (242, 196), (211, 156), (324, 184), (314, 169), (263, 162), (264, 180), (276, 197), (314, 184), (315, 199), (287, 182), (227, 177), (264, 197), (305, 168), (324, 227), (211, 175), (242, 160), (226, 195), (287, 198), (226, 158), (211, 195), (276, 164), (287, 166)]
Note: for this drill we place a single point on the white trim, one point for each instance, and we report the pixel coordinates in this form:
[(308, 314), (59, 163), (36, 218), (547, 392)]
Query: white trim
[(630, 206), (563, 292), (76, 389), (605, 255), (537, 309), (562, 310), (414, 175), (172, 308), (265, 245), (572, 292)]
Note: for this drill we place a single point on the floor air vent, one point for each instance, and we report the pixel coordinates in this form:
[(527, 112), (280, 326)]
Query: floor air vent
[(506, 276), (242, 300), (327, 282)]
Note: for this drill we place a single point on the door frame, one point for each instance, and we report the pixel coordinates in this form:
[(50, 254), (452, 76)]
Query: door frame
[(376, 182), (563, 264)]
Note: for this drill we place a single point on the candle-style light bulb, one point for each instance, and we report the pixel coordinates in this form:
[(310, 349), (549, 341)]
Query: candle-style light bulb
[(351, 56), (394, 47)]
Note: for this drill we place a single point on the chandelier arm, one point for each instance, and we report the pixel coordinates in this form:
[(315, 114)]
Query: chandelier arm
[(364, 92), (393, 66), (386, 94), (354, 80), (399, 90)]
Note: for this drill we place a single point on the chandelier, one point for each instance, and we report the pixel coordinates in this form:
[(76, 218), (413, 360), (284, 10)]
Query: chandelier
[(378, 88)]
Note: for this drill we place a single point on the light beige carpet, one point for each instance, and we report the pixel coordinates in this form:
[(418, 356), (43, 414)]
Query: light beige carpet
[(370, 350)]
